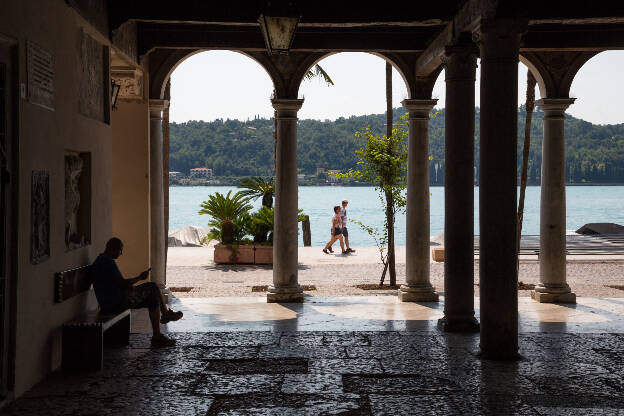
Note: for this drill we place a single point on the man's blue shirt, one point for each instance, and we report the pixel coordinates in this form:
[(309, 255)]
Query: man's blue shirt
[(104, 275)]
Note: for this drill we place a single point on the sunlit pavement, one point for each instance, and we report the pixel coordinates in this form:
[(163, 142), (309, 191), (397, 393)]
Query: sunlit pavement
[(352, 355)]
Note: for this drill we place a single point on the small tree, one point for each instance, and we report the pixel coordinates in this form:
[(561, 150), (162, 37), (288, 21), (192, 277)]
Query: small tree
[(382, 161)]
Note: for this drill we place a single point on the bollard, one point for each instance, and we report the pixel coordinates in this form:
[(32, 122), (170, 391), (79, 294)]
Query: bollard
[(307, 235)]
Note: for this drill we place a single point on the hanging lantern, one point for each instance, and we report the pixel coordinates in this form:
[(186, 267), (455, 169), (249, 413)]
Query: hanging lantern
[(278, 28)]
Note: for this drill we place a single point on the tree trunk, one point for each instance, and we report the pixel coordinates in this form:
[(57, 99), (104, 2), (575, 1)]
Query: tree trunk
[(388, 99), (390, 217), (389, 198), (530, 105)]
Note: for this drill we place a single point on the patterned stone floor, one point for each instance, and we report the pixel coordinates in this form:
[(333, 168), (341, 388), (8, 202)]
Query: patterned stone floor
[(332, 373), (351, 356)]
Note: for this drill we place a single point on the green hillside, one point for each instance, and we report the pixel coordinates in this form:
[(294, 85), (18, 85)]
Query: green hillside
[(594, 153)]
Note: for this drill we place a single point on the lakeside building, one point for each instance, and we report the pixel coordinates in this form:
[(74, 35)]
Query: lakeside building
[(331, 175), (175, 175), (205, 173)]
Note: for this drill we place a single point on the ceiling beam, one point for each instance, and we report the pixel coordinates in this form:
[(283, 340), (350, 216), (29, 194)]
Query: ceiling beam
[(464, 21), (309, 39), (573, 37)]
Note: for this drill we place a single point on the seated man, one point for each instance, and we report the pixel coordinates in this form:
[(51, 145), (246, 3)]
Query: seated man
[(115, 294)]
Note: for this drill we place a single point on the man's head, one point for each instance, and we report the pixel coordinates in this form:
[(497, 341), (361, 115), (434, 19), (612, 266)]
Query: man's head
[(114, 247), (345, 203), (336, 209)]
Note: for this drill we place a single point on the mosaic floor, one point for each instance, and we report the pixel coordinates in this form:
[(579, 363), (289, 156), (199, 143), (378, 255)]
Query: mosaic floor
[(244, 358)]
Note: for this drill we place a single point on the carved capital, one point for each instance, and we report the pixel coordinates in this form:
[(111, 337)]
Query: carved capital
[(460, 61), (554, 108), (156, 108), (499, 39), (419, 109), (131, 83), (286, 108)]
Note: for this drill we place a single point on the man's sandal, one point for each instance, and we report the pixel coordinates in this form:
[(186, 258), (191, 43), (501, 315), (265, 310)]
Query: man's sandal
[(162, 341), (170, 316)]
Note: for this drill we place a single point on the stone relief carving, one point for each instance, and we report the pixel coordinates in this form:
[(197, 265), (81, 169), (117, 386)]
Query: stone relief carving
[(93, 88), (75, 234), (40, 217), (131, 82)]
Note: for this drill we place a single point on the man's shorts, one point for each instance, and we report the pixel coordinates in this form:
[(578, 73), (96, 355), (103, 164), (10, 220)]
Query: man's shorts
[(145, 295), (345, 232)]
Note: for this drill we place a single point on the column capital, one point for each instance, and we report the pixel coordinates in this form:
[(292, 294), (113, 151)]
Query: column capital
[(500, 25), (499, 39), (554, 107), (460, 61), (287, 104), (156, 107), (419, 107)]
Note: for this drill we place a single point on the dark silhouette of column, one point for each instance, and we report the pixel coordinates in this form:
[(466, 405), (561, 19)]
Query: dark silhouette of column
[(460, 62), (499, 41)]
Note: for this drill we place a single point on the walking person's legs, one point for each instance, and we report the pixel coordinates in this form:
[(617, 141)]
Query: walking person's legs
[(328, 245), (342, 246)]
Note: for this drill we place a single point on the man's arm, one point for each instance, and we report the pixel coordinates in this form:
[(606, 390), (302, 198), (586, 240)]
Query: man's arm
[(125, 283)]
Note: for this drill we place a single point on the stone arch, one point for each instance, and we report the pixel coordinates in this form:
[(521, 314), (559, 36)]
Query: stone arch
[(163, 62), (313, 58), (555, 71)]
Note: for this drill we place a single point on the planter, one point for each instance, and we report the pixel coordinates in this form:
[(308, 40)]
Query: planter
[(264, 255), (438, 254), (228, 254)]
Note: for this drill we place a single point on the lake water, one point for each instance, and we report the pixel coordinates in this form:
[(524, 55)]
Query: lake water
[(585, 204)]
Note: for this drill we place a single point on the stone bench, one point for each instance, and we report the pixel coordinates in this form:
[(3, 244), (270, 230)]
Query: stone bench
[(84, 336)]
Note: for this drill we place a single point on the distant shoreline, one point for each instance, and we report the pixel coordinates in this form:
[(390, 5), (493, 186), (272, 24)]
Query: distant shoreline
[(369, 185)]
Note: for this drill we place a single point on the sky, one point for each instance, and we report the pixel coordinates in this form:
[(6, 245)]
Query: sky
[(224, 84)]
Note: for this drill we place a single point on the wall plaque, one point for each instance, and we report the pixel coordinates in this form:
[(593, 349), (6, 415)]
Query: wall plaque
[(77, 200), (40, 73), (40, 217), (93, 78)]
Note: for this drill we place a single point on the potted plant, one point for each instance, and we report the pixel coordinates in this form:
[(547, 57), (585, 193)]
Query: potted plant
[(230, 214)]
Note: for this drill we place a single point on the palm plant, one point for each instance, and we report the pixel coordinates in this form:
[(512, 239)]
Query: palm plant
[(225, 210), (255, 187), (317, 71), (262, 224)]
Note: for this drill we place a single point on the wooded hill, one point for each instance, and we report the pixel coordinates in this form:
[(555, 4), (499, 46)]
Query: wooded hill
[(594, 153)]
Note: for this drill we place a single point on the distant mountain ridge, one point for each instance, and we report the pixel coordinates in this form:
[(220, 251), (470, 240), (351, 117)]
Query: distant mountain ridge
[(594, 153)]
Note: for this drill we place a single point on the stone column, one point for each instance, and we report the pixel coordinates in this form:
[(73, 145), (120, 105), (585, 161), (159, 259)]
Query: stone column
[(157, 212), (418, 287), (285, 237), (460, 64), (499, 42), (553, 287)]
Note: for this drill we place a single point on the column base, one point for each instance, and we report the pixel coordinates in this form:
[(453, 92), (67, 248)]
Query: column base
[(499, 355), (285, 294), (417, 294), (468, 324), (545, 297)]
